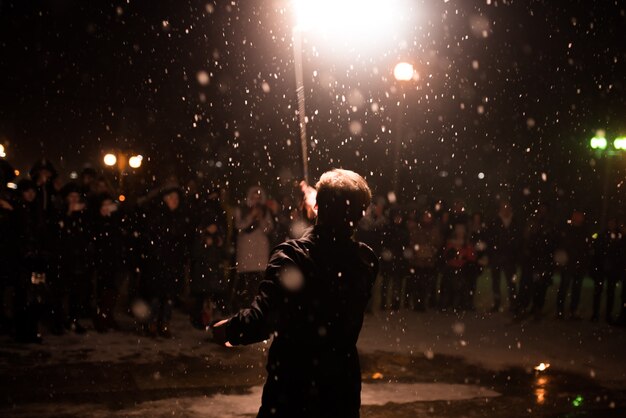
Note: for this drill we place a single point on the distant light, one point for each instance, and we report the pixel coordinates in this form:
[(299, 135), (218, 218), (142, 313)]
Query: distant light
[(110, 160), (481, 175), (403, 71), (2, 151), (73, 175), (620, 143), (598, 142), (121, 198), (12, 186), (135, 161), (578, 400), (542, 367), (17, 173), (377, 376)]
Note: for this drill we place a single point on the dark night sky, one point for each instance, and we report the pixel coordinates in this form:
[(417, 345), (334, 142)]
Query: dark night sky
[(512, 89)]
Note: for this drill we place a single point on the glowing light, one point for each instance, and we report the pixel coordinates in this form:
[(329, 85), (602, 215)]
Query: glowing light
[(403, 71), (377, 376), (356, 21), (12, 186), (540, 394), (542, 367), (620, 143), (121, 198), (578, 400), (17, 173), (2, 151), (599, 140), (135, 161), (110, 160)]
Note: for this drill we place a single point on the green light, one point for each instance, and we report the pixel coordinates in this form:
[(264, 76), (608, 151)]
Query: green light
[(598, 142), (578, 400), (620, 143)]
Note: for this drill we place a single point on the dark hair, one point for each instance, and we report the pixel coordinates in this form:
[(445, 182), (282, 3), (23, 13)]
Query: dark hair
[(342, 198)]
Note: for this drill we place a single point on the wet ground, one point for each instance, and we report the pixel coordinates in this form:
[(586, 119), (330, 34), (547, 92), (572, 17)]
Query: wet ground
[(414, 365), (226, 383)]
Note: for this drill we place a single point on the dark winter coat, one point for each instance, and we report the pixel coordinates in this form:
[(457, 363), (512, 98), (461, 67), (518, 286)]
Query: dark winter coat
[(108, 240), (312, 300), (607, 259), (208, 251), (73, 247), (167, 236), (505, 243)]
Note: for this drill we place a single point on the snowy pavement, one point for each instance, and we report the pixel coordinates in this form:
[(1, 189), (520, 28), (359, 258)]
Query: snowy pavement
[(413, 363)]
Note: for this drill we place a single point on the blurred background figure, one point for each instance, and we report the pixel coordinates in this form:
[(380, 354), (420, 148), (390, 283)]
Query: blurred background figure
[(505, 247), (425, 244), (574, 263), (607, 268), (208, 284), (253, 223), (168, 234)]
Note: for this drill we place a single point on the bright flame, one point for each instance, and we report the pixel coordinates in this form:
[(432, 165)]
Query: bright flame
[(110, 160), (403, 71), (542, 367), (135, 161), (355, 21)]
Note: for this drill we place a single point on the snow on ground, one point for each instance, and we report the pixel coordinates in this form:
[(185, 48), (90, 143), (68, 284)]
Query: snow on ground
[(241, 405)]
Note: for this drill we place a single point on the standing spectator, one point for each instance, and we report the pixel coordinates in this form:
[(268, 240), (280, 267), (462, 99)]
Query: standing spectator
[(207, 279), (505, 247), (254, 225), (168, 249), (425, 243), (8, 242), (72, 288), (478, 240), (109, 260), (396, 250), (459, 256), (574, 244), (34, 259), (607, 266), (538, 265)]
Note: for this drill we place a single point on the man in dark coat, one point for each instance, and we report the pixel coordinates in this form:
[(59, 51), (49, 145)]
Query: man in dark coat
[(312, 300)]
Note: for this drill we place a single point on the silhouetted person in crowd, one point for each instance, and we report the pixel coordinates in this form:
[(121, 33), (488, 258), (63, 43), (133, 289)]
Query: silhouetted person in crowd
[(254, 225), (537, 265), (312, 301), (505, 244), (167, 234), (71, 286), (479, 241), (459, 258), (425, 244), (9, 257), (44, 175), (108, 241), (208, 286), (34, 257), (607, 267), (575, 247)]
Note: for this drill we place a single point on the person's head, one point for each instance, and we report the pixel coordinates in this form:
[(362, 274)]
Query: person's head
[(342, 198), (171, 199), (27, 189), (506, 210), (255, 197)]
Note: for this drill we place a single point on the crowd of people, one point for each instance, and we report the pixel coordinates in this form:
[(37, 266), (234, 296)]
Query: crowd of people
[(68, 251)]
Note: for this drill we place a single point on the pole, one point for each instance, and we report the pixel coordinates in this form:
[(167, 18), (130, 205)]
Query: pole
[(398, 142), (297, 56)]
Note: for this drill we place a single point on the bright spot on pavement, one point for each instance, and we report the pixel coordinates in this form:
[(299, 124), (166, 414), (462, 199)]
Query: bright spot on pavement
[(542, 366)]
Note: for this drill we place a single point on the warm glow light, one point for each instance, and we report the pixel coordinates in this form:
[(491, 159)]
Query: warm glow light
[(542, 367), (110, 160), (353, 21), (403, 71), (121, 198), (135, 161), (2, 151)]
